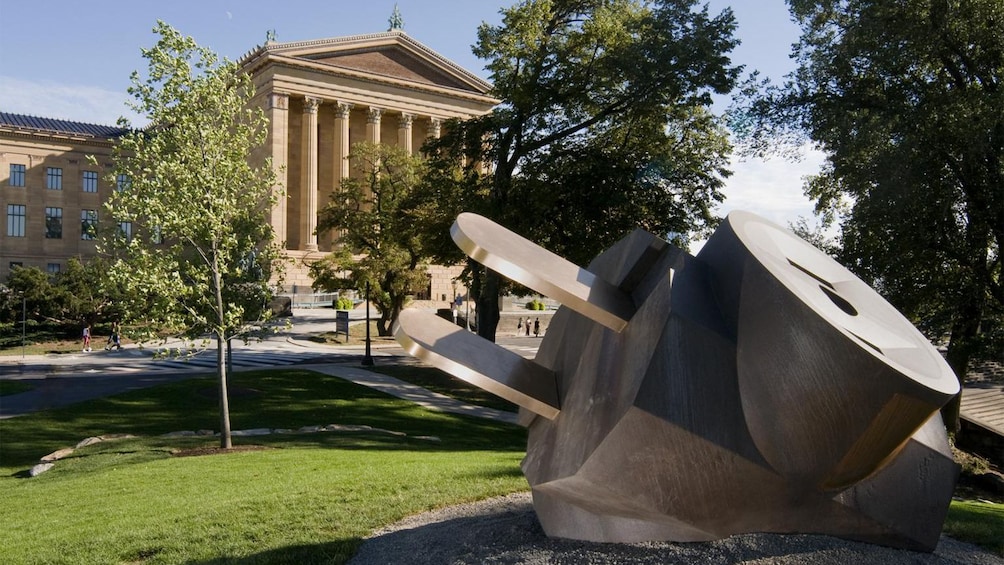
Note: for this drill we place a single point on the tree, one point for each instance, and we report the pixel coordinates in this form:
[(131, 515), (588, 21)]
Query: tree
[(199, 255), (905, 98), (603, 127), (377, 243)]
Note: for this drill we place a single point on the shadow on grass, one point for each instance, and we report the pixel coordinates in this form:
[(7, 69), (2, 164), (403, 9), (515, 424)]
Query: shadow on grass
[(284, 399), (338, 551)]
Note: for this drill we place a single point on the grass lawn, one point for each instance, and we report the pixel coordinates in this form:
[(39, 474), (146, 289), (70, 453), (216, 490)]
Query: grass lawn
[(303, 498), (13, 387)]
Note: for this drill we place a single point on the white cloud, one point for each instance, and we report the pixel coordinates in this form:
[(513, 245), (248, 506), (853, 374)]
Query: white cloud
[(770, 188), (79, 103)]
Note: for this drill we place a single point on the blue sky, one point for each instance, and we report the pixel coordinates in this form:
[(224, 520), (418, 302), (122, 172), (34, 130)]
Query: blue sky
[(72, 59)]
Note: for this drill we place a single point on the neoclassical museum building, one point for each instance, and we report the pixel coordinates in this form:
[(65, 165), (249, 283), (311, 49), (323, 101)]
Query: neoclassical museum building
[(320, 98)]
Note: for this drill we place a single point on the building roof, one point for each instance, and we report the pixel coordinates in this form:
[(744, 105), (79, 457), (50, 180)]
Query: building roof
[(391, 55), (36, 124)]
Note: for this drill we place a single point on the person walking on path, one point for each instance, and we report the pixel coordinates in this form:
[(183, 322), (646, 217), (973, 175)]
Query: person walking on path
[(114, 340), (87, 337), (536, 328), (528, 326)]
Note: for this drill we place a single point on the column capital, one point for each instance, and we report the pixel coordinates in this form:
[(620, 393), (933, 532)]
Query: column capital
[(404, 121), (310, 104), (433, 129), (342, 110), (278, 101), (373, 115)]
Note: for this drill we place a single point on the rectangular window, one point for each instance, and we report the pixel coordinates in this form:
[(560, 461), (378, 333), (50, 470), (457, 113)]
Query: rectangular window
[(16, 175), (157, 238), (121, 182), (54, 178), (90, 181), (15, 220), (88, 224), (54, 223), (52, 268), (126, 229)]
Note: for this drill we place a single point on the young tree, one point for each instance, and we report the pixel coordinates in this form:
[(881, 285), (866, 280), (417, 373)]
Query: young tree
[(906, 100), (602, 127), (200, 255), (377, 242)]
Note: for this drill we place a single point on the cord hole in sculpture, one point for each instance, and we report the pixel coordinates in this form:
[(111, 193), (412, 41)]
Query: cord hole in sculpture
[(839, 301)]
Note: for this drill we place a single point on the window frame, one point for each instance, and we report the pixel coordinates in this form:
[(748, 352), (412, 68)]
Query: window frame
[(89, 181), (17, 171), (53, 219), (54, 178), (22, 223)]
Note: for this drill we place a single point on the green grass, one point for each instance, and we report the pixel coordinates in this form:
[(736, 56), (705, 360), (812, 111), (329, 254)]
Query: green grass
[(981, 523), (443, 383), (307, 498), (13, 387)]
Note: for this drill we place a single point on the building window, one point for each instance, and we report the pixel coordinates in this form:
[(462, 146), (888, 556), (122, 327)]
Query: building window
[(54, 223), (126, 229), (88, 224), (52, 268), (16, 175), (54, 178), (121, 182), (158, 237), (15, 220), (90, 181), (15, 265)]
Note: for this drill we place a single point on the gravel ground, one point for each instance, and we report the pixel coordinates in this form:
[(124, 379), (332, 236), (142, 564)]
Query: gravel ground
[(505, 530)]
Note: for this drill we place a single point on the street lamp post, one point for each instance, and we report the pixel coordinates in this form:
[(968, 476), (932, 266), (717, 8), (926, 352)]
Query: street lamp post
[(24, 321), (367, 358)]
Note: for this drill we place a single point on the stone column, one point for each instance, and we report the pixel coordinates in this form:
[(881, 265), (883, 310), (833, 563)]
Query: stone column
[(373, 125), (404, 132), (342, 148), (308, 176), (433, 129), (277, 112)]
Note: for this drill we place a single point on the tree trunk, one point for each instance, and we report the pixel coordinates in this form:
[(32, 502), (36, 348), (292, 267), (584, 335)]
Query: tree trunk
[(961, 345), (221, 372), (488, 305)]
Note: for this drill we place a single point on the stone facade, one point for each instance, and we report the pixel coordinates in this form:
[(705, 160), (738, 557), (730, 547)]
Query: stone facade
[(320, 97)]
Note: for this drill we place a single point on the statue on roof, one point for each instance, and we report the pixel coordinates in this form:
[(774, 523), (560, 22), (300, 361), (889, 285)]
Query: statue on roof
[(396, 21), (270, 36)]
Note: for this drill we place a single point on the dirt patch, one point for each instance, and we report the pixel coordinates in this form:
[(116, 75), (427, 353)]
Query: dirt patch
[(217, 450)]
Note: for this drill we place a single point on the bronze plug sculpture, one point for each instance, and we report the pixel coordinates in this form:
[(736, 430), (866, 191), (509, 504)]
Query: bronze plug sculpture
[(757, 387)]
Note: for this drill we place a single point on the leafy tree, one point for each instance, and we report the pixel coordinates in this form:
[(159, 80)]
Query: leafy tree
[(906, 100), (603, 127), (377, 241), (202, 254)]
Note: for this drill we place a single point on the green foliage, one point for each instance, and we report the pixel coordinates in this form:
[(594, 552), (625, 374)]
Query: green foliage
[(905, 100), (603, 127), (63, 303), (344, 303), (378, 242), (202, 258), (535, 305)]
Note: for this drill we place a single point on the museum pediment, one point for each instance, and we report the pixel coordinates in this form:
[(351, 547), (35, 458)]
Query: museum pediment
[(390, 55)]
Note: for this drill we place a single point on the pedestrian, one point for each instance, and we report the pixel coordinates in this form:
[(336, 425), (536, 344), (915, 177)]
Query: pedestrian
[(456, 314), (536, 328), (114, 340), (528, 326), (519, 325), (87, 337)]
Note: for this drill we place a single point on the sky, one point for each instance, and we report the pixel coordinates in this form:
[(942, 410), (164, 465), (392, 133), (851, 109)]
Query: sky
[(72, 59)]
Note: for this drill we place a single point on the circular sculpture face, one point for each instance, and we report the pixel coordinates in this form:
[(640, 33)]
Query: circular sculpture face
[(841, 299), (757, 387)]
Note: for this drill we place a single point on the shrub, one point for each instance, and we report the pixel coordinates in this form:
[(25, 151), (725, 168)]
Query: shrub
[(535, 305), (344, 303)]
